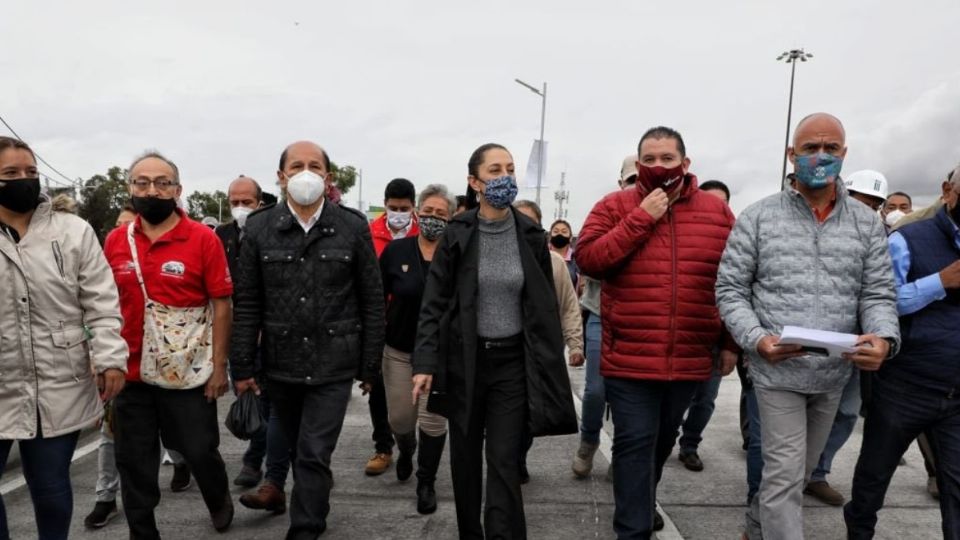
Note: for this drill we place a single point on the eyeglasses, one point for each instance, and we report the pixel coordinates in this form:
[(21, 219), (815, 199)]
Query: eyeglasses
[(143, 184)]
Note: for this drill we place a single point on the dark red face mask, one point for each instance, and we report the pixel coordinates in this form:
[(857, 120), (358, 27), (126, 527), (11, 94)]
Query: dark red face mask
[(651, 178)]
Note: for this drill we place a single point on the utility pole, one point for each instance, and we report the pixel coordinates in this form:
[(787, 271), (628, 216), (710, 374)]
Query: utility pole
[(543, 118), (791, 58)]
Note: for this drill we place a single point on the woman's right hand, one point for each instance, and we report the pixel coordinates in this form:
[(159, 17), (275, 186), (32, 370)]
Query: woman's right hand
[(421, 386)]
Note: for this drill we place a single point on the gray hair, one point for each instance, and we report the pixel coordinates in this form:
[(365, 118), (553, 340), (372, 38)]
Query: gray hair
[(437, 190), (156, 155), (523, 203)]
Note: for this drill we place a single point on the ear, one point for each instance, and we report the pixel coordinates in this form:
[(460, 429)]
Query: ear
[(791, 155), (179, 191), (844, 153), (281, 179), (685, 164), (475, 183)]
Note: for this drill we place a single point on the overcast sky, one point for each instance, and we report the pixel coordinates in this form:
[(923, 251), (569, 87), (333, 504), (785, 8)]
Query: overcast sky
[(401, 91)]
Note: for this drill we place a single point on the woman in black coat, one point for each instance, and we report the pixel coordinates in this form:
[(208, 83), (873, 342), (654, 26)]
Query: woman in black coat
[(489, 349)]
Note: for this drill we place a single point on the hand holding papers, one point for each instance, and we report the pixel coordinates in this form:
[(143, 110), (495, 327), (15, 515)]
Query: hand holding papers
[(819, 341)]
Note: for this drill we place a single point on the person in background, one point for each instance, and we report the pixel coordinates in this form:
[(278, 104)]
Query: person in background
[(916, 392), (489, 318), (309, 301), (774, 273), (657, 248), (181, 264), (570, 319), (868, 187), (404, 265), (461, 205), (930, 211), (561, 238), (399, 221), (594, 400), (210, 222), (126, 215), (704, 399), (61, 323), (898, 205)]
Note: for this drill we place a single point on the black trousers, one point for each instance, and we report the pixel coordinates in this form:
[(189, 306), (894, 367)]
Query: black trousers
[(311, 417), (188, 424), (898, 413), (379, 417), (499, 411)]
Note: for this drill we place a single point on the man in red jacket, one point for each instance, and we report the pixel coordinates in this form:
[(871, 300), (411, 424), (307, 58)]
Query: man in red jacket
[(399, 199), (656, 249)]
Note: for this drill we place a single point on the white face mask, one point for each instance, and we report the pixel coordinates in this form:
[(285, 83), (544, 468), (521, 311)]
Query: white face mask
[(305, 187), (240, 214), (893, 217), (398, 220)]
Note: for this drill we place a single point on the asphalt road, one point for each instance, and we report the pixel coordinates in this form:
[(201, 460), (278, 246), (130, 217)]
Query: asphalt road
[(707, 505)]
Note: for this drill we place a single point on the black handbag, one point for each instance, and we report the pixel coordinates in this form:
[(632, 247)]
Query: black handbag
[(245, 419)]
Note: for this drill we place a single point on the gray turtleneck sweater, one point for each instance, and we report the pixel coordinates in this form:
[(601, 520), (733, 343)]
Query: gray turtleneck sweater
[(500, 280)]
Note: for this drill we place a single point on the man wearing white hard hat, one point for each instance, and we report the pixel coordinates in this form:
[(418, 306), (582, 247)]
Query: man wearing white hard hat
[(870, 188)]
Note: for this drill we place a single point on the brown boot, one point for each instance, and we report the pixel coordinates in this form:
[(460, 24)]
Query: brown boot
[(822, 491), (378, 464), (268, 497)]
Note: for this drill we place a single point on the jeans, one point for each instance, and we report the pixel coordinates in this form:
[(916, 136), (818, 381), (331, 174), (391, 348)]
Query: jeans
[(495, 431), (754, 451), (698, 415), (46, 468), (187, 422), (794, 428), (271, 445), (594, 400), (843, 426), (898, 413), (311, 417), (646, 415)]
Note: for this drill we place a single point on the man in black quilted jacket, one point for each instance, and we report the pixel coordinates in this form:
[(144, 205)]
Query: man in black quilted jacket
[(308, 285)]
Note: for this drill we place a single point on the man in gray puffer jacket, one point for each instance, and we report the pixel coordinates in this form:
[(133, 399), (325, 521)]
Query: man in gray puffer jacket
[(812, 257)]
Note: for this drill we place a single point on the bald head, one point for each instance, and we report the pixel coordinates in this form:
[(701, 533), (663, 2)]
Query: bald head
[(818, 133), (304, 149), (819, 123), (244, 191)]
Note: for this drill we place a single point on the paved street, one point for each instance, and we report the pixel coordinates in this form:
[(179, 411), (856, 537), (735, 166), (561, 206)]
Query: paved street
[(704, 506)]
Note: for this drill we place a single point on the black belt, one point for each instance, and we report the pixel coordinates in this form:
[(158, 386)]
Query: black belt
[(500, 343)]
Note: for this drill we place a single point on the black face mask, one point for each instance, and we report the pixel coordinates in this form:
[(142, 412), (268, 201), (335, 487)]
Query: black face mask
[(154, 209), (20, 195), (559, 241)]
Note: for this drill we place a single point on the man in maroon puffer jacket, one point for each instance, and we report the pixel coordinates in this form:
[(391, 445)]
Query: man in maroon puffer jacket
[(656, 249)]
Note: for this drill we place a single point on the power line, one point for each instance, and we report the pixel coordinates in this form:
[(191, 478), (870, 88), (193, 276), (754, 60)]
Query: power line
[(54, 169)]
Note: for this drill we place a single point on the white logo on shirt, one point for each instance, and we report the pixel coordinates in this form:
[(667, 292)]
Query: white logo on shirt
[(173, 268)]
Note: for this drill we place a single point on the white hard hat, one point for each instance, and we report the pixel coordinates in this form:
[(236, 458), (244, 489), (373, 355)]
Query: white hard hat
[(871, 183)]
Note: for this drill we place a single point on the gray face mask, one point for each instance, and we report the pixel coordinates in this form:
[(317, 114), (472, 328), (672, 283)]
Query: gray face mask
[(432, 227)]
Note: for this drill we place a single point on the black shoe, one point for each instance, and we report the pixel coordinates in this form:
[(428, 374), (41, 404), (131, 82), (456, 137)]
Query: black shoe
[(248, 477), (407, 445), (404, 466), (657, 521), (181, 480), (691, 461), (426, 497), (103, 512), (223, 517)]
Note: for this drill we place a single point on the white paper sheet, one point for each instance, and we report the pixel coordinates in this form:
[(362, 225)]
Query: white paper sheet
[(835, 343)]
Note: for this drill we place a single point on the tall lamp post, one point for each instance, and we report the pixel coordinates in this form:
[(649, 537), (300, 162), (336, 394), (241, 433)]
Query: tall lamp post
[(791, 58), (543, 117)]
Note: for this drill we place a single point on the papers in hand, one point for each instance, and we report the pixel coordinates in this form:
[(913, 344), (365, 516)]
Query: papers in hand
[(819, 341)]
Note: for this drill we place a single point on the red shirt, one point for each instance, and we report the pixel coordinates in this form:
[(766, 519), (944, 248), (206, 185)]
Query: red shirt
[(382, 235), (185, 267)]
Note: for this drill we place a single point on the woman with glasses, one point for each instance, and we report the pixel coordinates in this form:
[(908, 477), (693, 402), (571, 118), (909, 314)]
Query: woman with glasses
[(489, 349)]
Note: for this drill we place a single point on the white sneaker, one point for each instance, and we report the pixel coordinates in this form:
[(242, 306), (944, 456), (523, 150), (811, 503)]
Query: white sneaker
[(583, 459)]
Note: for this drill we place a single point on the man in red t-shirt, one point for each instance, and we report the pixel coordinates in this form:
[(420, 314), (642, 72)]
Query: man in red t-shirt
[(183, 265)]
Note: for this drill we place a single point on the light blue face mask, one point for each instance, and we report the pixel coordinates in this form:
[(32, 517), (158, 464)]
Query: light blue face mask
[(816, 171)]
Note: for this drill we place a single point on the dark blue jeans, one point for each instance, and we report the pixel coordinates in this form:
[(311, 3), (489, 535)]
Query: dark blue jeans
[(699, 414), (46, 468), (646, 415), (754, 454), (594, 401), (898, 413), (269, 443)]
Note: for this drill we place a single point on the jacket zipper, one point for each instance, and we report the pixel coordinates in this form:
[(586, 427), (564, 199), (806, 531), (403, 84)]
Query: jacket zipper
[(673, 302), (35, 413)]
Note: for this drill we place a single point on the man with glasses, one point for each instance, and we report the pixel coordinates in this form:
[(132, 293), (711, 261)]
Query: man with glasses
[(183, 265)]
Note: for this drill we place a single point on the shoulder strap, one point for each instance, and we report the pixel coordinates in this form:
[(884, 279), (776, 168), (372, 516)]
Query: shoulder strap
[(136, 260)]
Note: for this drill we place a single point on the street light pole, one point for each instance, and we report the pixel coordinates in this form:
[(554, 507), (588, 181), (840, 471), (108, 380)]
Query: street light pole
[(791, 58), (543, 119)]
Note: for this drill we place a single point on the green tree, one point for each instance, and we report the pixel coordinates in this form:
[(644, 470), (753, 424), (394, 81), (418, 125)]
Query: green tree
[(201, 204), (102, 199), (344, 177)]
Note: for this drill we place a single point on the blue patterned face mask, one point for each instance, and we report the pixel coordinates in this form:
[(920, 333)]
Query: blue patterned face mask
[(817, 170), (501, 192)]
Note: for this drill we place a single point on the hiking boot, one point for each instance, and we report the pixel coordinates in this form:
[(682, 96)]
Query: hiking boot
[(181, 480), (103, 512), (583, 459), (822, 491), (691, 461), (932, 488), (378, 464), (223, 517), (248, 477), (657, 521), (268, 497)]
